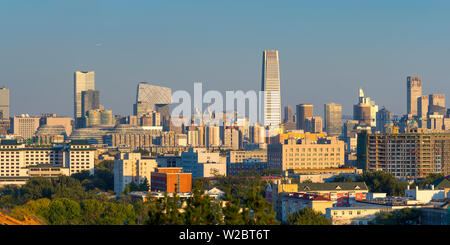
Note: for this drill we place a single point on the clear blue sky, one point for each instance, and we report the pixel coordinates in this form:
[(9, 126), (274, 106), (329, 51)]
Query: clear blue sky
[(327, 49)]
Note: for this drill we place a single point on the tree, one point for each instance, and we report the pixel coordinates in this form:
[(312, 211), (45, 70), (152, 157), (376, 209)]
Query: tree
[(430, 179), (63, 211), (232, 210), (379, 181), (260, 212), (91, 210), (201, 209), (406, 216), (307, 216)]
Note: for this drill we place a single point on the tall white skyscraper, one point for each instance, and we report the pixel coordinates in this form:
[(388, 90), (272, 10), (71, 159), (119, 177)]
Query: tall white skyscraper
[(83, 81), (271, 88)]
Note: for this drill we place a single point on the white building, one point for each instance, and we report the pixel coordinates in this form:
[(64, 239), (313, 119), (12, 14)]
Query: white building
[(202, 163), (426, 195), (131, 167), (351, 215), (17, 161)]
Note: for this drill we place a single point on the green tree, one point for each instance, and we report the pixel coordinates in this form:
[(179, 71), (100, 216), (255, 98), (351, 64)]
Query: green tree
[(232, 210), (260, 212), (430, 179), (63, 211), (379, 181), (307, 216), (201, 209), (406, 216), (91, 210)]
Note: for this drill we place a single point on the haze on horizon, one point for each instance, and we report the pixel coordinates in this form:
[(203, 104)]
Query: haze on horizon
[(327, 49)]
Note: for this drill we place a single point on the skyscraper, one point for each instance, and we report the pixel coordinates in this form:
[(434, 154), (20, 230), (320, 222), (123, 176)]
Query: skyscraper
[(4, 103), (288, 114), (153, 98), (303, 111), (414, 91), (83, 81), (422, 106), (90, 100), (333, 119), (271, 88), (437, 99)]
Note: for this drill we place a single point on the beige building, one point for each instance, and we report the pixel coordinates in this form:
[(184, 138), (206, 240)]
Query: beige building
[(25, 126), (304, 154), (132, 167), (407, 155), (351, 215), (294, 202), (80, 157), (414, 91), (333, 119), (422, 106), (239, 156), (437, 99), (313, 124), (83, 81), (54, 121), (19, 161), (303, 111)]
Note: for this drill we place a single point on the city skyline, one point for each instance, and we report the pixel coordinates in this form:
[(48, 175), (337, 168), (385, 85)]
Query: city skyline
[(368, 54)]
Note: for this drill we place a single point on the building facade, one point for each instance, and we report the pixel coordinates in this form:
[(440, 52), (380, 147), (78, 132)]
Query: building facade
[(271, 87)]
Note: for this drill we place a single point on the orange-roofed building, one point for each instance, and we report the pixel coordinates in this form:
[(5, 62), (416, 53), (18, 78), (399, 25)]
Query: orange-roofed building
[(170, 180)]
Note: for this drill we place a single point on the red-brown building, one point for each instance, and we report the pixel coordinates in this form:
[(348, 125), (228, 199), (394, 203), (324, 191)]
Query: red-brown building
[(171, 180)]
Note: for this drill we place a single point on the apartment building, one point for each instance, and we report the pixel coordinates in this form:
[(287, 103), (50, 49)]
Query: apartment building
[(132, 167), (407, 155), (306, 154), (202, 163)]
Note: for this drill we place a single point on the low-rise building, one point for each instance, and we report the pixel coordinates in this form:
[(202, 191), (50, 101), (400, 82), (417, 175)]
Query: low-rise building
[(171, 180), (426, 195), (351, 215), (293, 202), (340, 192)]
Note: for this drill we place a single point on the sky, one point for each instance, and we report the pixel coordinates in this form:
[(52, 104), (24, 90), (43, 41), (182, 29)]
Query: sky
[(327, 49)]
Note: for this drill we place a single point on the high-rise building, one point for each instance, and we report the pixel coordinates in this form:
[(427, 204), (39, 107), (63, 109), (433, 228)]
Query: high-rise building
[(422, 106), (4, 103), (83, 81), (384, 117), (153, 98), (366, 110), (410, 155), (288, 114), (333, 119), (313, 124), (437, 99), (414, 91), (271, 88), (25, 126), (90, 100), (213, 136), (303, 111)]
